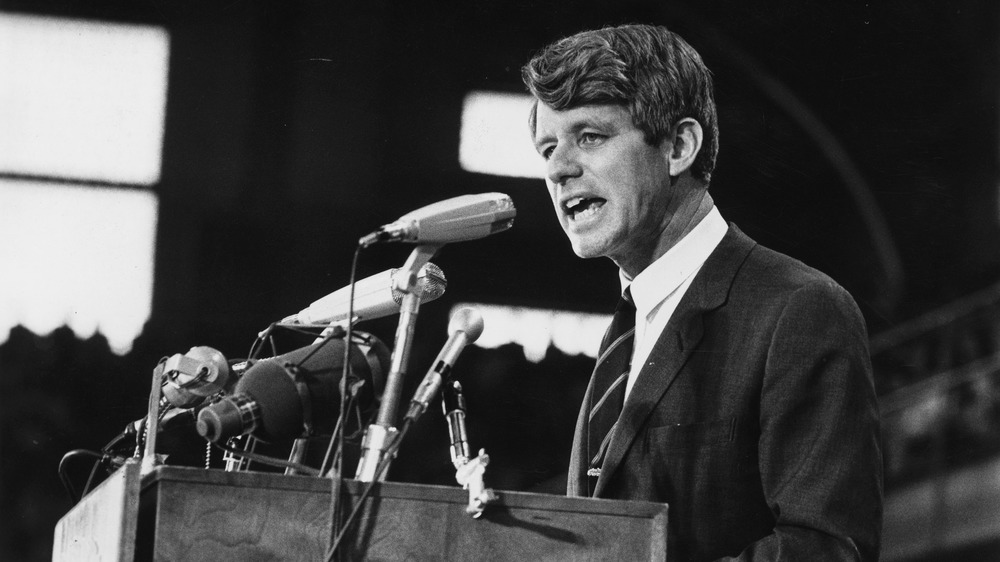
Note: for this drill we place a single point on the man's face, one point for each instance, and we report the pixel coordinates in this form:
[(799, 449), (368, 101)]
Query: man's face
[(611, 190)]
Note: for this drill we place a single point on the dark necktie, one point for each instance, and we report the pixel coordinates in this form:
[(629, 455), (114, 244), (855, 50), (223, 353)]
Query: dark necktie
[(610, 376)]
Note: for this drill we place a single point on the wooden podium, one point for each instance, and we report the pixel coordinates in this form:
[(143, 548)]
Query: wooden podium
[(185, 514)]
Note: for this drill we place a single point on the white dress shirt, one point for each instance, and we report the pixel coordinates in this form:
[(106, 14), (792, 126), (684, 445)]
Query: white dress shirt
[(658, 289)]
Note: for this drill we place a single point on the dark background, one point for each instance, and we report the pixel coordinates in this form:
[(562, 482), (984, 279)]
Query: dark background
[(858, 137)]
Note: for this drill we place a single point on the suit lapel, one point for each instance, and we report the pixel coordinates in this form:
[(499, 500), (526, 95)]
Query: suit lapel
[(682, 334)]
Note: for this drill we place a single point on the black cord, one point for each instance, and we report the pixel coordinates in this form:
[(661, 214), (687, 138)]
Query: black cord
[(337, 438), (64, 478), (105, 456), (390, 453), (93, 472), (274, 347), (329, 449), (251, 355), (258, 345), (346, 372), (342, 417), (111, 444)]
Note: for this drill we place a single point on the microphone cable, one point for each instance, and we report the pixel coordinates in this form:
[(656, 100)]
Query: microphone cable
[(338, 434), (337, 468), (266, 336), (383, 464), (101, 458)]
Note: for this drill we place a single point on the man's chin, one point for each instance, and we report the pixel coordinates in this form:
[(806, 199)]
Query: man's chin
[(585, 250)]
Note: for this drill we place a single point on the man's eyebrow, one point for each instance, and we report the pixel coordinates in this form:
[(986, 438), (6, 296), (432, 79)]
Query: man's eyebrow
[(538, 142), (577, 126)]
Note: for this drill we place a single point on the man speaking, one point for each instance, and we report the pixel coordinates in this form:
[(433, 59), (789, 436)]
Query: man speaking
[(734, 382)]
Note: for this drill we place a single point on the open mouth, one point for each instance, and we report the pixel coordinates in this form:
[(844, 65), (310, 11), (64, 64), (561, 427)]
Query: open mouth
[(582, 207)]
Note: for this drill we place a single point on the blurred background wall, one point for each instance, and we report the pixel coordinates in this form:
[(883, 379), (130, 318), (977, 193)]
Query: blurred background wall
[(861, 138)]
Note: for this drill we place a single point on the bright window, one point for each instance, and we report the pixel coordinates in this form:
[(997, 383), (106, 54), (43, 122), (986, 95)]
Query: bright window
[(76, 256), (80, 101), (537, 329), (495, 138)]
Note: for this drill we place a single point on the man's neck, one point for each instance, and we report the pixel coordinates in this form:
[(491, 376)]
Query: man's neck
[(688, 215)]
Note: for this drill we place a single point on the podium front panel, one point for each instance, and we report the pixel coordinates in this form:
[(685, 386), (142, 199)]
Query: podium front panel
[(102, 526), (195, 514)]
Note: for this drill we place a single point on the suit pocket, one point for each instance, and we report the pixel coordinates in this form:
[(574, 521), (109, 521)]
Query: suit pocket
[(693, 435)]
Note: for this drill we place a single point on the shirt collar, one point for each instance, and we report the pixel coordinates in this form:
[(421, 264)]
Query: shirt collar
[(662, 277)]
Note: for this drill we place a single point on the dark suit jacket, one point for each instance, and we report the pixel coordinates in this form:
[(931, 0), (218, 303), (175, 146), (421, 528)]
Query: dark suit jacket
[(754, 418)]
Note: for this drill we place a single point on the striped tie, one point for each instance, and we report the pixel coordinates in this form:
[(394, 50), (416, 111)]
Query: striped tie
[(610, 375)]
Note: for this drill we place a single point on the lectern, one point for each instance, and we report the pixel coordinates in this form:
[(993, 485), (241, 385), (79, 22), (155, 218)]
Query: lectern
[(185, 514)]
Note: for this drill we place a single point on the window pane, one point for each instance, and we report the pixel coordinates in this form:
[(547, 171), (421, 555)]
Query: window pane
[(536, 329), (76, 256), (495, 138), (82, 100)]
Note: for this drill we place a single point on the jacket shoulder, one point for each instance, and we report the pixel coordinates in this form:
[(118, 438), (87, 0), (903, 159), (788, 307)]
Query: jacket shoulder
[(768, 275)]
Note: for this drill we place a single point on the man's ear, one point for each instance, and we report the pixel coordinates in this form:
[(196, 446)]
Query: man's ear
[(684, 143)]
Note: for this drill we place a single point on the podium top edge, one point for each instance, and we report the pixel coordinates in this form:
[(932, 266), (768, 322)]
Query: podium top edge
[(173, 475)]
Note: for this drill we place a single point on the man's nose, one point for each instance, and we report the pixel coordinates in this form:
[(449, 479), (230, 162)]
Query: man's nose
[(562, 165)]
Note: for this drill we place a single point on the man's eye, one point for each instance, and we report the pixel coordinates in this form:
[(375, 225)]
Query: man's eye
[(547, 152), (590, 138)]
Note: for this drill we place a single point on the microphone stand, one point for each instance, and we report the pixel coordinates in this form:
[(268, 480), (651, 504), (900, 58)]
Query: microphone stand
[(149, 461), (380, 434), (468, 472)]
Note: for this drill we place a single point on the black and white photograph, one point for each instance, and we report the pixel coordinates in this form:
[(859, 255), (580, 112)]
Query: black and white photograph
[(503, 280)]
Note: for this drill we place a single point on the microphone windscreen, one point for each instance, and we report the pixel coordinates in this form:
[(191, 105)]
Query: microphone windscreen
[(303, 384), (431, 282)]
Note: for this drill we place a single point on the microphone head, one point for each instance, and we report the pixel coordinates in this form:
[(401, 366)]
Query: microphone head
[(374, 297), (373, 294), (466, 217), (467, 320), (193, 376), (431, 284)]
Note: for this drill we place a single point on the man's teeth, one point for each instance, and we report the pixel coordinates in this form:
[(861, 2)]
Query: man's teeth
[(582, 207), (586, 212)]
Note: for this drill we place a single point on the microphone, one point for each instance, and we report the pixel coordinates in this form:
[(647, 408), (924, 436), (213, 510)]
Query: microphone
[(374, 297), (466, 217), (465, 327), (194, 376), (280, 396), (175, 419), (453, 406)]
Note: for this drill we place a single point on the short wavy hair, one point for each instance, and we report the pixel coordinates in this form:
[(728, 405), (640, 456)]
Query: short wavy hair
[(649, 70)]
